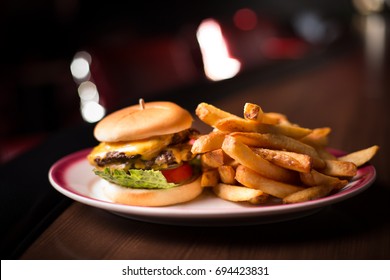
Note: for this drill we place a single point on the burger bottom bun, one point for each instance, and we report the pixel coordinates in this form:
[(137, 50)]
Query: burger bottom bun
[(152, 197)]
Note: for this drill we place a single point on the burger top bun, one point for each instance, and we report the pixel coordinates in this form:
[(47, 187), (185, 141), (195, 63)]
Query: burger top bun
[(143, 121)]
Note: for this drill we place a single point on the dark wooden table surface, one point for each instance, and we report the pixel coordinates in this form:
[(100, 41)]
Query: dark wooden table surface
[(348, 92)]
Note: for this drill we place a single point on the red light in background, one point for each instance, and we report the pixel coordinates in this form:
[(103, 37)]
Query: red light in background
[(245, 19), (283, 48)]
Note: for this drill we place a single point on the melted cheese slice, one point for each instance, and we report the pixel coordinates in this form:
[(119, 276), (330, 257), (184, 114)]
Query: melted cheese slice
[(148, 148)]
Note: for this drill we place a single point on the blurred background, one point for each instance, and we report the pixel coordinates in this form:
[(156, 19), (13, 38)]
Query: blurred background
[(67, 62)]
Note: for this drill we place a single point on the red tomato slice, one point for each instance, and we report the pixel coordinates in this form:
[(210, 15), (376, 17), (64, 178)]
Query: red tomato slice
[(179, 174)]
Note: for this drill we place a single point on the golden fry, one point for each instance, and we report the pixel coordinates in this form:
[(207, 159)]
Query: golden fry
[(210, 178), (261, 199), (315, 178), (255, 113), (279, 142), (234, 124), (208, 142), (236, 193), (245, 156), (210, 114), (282, 119), (254, 180), (362, 156), (227, 174), (212, 159), (318, 137), (288, 160), (325, 154), (339, 168), (308, 194)]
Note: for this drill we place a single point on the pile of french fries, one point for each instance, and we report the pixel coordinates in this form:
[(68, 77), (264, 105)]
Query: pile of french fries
[(263, 155)]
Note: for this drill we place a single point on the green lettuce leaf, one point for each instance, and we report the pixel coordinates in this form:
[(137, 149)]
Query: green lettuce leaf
[(135, 178)]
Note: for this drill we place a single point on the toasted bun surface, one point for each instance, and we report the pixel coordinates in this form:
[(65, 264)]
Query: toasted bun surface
[(148, 197), (134, 123)]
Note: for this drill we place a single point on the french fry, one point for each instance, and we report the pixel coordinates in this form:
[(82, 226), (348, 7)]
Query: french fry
[(318, 137), (261, 199), (279, 142), (282, 119), (255, 113), (339, 168), (210, 114), (212, 159), (245, 156), (234, 124), (210, 178), (289, 160), (236, 193), (208, 142), (361, 157), (325, 154), (254, 180), (315, 178), (227, 174), (308, 194)]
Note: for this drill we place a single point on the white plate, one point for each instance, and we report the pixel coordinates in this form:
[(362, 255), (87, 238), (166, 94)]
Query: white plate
[(73, 177)]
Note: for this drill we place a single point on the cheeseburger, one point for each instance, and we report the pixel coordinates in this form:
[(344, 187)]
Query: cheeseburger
[(145, 155)]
